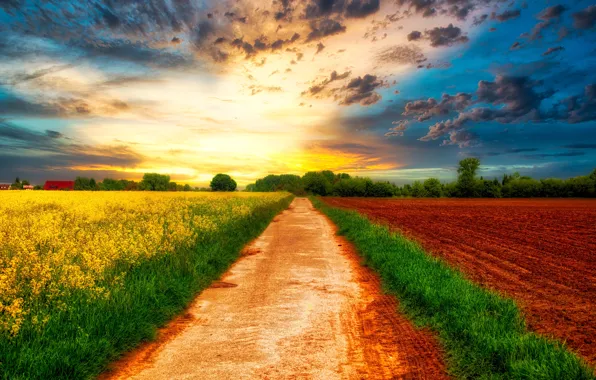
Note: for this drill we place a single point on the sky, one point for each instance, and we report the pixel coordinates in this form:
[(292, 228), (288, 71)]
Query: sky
[(396, 90)]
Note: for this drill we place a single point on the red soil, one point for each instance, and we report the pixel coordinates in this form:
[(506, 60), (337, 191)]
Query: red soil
[(542, 253)]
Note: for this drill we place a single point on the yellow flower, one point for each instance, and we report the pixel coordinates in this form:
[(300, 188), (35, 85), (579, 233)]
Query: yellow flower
[(55, 243)]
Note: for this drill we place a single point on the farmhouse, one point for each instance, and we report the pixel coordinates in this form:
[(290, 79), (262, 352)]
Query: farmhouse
[(4, 186), (59, 185), (28, 187)]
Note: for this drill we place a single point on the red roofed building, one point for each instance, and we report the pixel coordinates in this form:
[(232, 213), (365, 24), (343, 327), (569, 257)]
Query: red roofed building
[(59, 185), (4, 186)]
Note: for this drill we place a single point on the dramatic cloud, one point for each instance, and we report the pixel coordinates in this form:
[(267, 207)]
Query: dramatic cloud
[(361, 90), (461, 138), (426, 109), (362, 8), (346, 8), (398, 129), (586, 18), (507, 15), (324, 28), (459, 9), (318, 88), (514, 99), (549, 16), (445, 36), (479, 20), (577, 109), (414, 35), (516, 94)]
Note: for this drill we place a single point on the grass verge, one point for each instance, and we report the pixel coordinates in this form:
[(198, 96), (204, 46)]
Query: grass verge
[(484, 334), (79, 343)]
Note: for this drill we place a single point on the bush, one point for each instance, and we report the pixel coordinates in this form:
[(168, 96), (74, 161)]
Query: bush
[(223, 182)]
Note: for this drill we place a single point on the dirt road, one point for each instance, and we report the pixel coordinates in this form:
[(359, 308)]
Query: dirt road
[(297, 306)]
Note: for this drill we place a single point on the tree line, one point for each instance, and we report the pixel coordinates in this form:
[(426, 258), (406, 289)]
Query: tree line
[(324, 183), (467, 185), (150, 182), (153, 182)]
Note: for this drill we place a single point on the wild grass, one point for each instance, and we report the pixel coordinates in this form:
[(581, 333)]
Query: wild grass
[(81, 339), (483, 333)]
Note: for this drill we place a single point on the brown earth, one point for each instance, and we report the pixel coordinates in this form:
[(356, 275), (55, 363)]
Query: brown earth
[(298, 305), (541, 252)]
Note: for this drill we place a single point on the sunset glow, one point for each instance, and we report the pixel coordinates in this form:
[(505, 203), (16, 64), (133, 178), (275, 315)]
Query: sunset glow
[(250, 88)]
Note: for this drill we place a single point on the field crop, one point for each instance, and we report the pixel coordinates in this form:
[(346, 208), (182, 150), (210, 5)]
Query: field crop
[(483, 333), (539, 252), (85, 276)]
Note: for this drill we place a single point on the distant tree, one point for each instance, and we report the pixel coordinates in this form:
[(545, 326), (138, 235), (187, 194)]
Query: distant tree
[(92, 184), (250, 187), (450, 189), (466, 177), (488, 189), (172, 186), (84, 183), (110, 184), (418, 190), (582, 186), (155, 182), (352, 187), (38, 187), (317, 183), (187, 187), (284, 182), (25, 182), (329, 175), (380, 189), (223, 182), (406, 191), (17, 185), (433, 188)]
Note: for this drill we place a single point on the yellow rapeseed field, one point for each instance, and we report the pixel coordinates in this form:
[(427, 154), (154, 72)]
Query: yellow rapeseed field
[(55, 243)]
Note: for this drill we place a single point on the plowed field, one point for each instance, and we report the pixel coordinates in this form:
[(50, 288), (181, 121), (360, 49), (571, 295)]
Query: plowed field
[(542, 253)]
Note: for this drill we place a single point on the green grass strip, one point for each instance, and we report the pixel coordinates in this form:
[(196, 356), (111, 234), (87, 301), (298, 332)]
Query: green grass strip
[(484, 334), (81, 342)]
